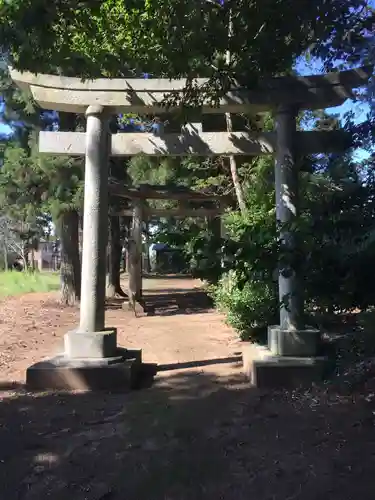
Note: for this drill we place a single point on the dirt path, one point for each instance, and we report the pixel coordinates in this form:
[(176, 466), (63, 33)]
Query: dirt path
[(32, 327), (197, 433)]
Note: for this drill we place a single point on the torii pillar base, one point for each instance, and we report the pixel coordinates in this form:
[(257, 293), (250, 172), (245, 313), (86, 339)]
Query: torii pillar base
[(266, 370), (120, 372), (91, 361)]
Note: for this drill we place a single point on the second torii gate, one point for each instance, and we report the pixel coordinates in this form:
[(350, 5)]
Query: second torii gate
[(92, 358), (138, 196)]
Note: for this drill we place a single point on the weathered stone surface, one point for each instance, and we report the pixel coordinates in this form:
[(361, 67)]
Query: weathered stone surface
[(61, 373), (287, 215), (266, 371), (146, 96), (287, 372), (91, 344), (173, 212), (293, 342), (95, 221), (187, 143)]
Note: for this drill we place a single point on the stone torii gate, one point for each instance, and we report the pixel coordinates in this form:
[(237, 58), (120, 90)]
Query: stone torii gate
[(92, 358), (140, 211)]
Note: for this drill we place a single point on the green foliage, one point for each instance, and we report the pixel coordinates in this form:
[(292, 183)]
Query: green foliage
[(248, 290), (17, 283), (338, 217), (117, 38), (113, 38), (32, 184), (249, 307), (336, 246), (204, 251)]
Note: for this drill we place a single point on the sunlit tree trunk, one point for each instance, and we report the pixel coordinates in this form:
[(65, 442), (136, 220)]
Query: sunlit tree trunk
[(70, 268), (232, 159), (147, 248), (114, 259)]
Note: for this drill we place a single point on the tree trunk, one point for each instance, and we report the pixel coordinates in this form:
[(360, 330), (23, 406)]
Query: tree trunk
[(5, 253), (228, 119), (25, 257), (126, 236), (114, 259), (32, 259), (234, 172), (135, 255), (70, 268), (147, 250)]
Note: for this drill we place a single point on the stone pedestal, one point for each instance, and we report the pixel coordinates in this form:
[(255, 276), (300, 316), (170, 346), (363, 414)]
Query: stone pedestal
[(291, 359), (95, 345), (116, 373), (268, 371), (91, 358), (300, 343)]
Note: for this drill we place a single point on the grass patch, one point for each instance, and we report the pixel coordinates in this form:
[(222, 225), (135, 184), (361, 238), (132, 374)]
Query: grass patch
[(18, 283)]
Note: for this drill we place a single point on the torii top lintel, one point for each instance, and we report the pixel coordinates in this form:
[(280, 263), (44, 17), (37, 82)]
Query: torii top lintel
[(147, 95)]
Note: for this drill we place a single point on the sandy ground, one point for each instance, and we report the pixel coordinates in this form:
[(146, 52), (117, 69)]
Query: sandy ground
[(199, 432), (180, 330)]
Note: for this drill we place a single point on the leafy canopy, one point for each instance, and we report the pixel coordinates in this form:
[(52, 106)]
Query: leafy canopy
[(175, 38)]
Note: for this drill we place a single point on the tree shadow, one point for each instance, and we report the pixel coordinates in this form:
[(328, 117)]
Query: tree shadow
[(192, 435), (171, 304), (235, 360), (166, 276), (156, 291), (115, 303), (167, 302)]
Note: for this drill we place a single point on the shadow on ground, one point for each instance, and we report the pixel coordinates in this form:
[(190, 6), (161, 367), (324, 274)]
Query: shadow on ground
[(114, 303), (169, 302), (156, 291), (237, 359), (166, 276), (193, 435)]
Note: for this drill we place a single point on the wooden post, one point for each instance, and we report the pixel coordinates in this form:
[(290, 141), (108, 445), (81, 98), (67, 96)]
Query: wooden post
[(135, 256)]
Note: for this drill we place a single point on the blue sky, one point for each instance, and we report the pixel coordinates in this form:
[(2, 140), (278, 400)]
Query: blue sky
[(4, 129), (359, 108)]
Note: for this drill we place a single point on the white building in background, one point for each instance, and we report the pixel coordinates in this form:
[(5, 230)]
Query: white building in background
[(153, 254), (47, 256)]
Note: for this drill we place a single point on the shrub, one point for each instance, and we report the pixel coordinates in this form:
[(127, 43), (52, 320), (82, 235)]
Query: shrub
[(249, 308)]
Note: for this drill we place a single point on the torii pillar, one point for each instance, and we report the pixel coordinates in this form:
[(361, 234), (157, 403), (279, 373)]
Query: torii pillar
[(91, 358), (95, 224), (292, 357), (290, 338)]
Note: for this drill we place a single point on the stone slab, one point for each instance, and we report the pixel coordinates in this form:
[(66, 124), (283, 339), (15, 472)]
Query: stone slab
[(267, 371), (293, 342), (117, 373), (95, 345), (147, 95), (204, 144)]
